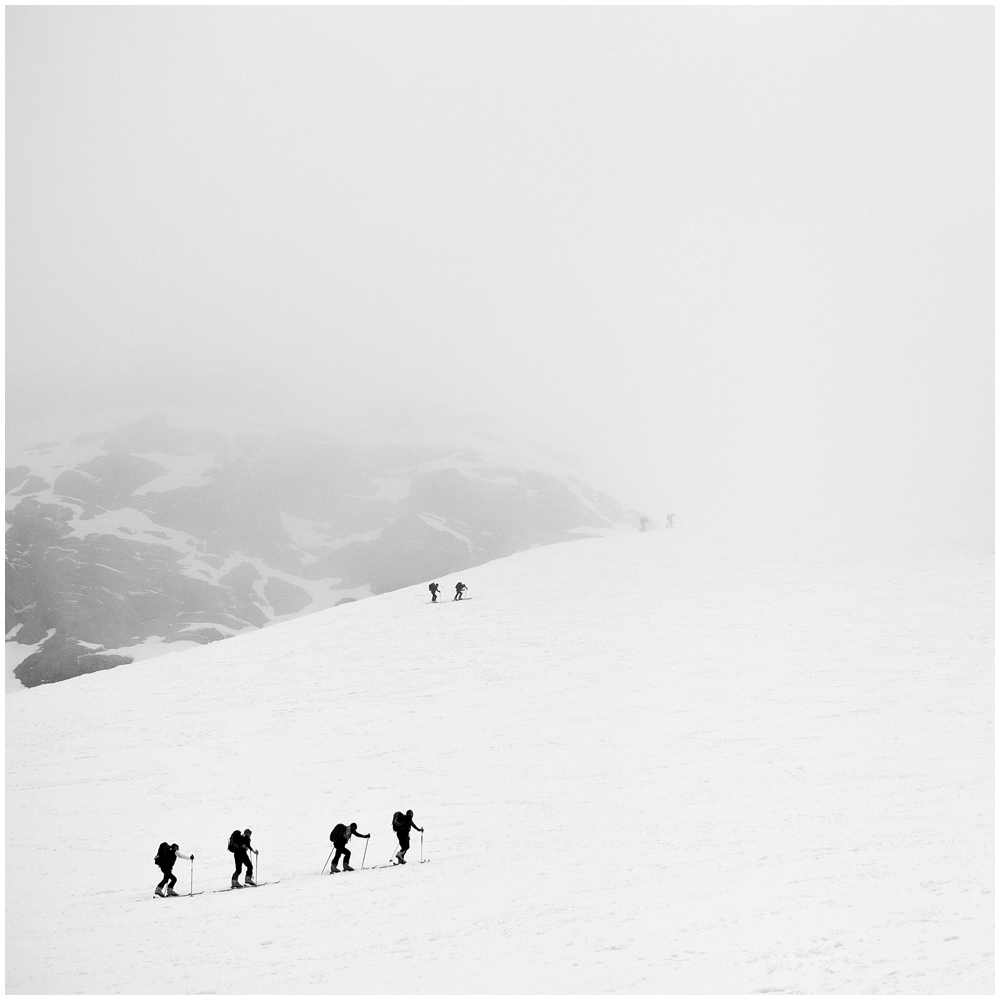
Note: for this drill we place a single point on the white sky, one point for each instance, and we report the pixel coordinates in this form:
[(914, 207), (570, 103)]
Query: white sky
[(740, 260)]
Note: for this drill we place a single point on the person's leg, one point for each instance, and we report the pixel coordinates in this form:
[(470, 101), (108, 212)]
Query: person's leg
[(172, 881), (347, 861), (240, 857), (249, 864), (336, 857)]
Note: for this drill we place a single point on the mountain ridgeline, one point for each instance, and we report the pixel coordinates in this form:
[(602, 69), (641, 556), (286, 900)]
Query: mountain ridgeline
[(152, 533)]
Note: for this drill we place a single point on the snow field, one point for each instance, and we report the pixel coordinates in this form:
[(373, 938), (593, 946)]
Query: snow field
[(644, 766)]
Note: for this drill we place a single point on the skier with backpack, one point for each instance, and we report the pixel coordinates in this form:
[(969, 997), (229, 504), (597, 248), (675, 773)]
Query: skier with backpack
[(165, 858), (402, 823), (239, 844), (434, 588), (340, 835), (460, 589)]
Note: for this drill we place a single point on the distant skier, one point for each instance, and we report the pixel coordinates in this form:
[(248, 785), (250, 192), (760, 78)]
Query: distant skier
[(460, 589), (670, 520), (402, 824), (239, 844), (165, 858), (434, 588), (643, 521), (340, 835)]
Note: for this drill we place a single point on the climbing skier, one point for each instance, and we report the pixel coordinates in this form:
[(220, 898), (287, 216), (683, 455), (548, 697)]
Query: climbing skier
[(434, 588), (460, 588), (165, 858), (239, 844), (643, 521), (670, 520), (402, 823), (340, 835)]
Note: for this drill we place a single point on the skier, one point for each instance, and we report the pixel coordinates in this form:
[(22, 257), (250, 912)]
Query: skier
[(165, 858), (402, 823), (340, 835), (670, 520), (434, 588), (460, 588), (239, 844), (643, 521)]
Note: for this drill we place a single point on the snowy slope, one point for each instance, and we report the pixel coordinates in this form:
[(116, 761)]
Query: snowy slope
[(128, 534), (643, 766)]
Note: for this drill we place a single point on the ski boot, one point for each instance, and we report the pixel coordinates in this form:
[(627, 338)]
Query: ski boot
[(348, 868), (170, 892), (249, 881), (158, 892), (236, 883)]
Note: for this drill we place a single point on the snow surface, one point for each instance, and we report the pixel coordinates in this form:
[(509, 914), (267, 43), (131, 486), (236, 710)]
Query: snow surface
[(183, 471), (645, 764)]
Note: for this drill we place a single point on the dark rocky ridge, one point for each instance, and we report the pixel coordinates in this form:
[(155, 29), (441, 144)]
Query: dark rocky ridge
[(248, 528)]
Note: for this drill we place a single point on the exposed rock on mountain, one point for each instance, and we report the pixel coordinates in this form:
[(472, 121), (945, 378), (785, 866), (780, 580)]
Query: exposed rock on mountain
[(125, 540)]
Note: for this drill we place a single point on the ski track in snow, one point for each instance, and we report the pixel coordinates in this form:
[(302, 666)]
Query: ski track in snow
[(644, 766)]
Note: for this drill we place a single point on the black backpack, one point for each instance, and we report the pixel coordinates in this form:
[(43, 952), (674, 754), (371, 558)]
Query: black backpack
[(337, 833), (162, 853), (235, 841), (399, 822)]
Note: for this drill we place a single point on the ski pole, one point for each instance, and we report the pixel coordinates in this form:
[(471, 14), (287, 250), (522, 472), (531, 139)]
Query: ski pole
[(365, 855), (325, 863), (192, 874), (421, 846)]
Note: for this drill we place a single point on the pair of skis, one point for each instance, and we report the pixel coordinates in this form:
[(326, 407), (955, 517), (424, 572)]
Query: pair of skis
[(373, 868), (201, 892), (256, 885)]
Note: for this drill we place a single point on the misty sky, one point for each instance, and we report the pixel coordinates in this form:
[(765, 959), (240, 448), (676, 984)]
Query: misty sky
[(740, 260)]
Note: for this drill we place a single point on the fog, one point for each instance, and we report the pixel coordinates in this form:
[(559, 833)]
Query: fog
[(738, 260)]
